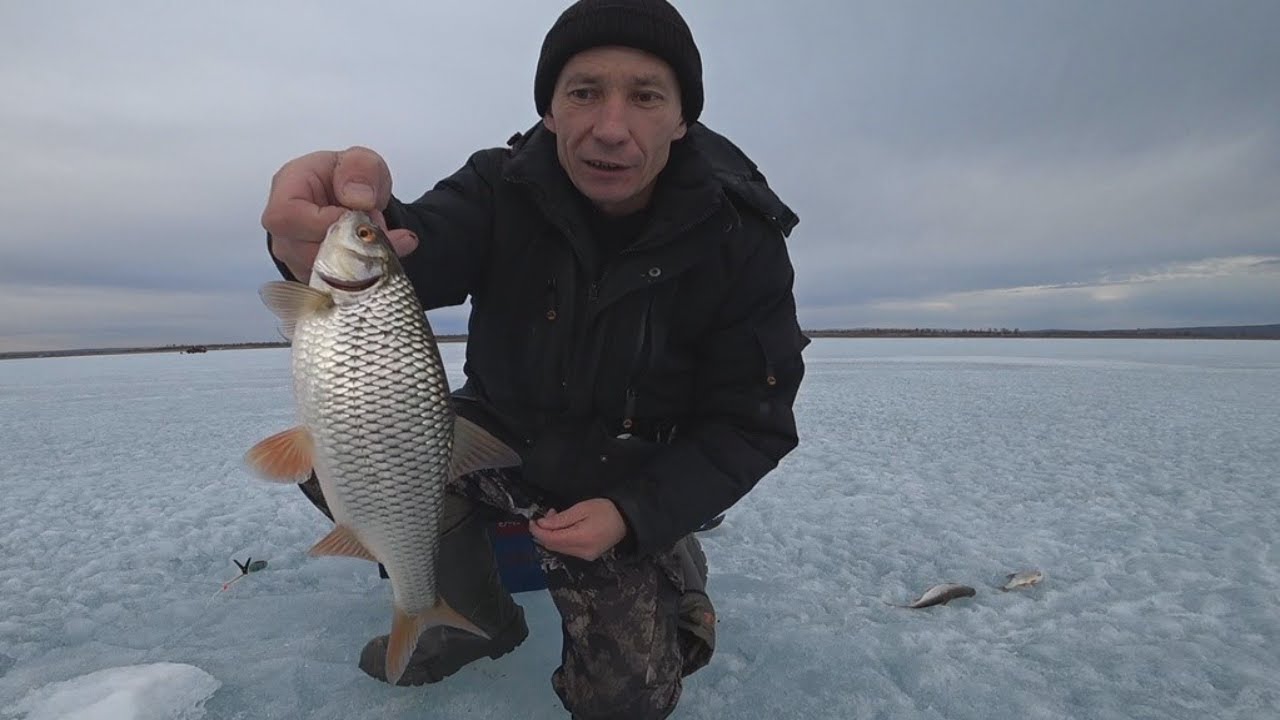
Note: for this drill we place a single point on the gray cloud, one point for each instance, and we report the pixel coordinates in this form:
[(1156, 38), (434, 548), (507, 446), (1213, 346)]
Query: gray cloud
[(41, 317), (939, 154), (1214, 291)]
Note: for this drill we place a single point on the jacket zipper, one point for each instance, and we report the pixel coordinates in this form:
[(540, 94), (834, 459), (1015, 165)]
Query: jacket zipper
[(593, 290)]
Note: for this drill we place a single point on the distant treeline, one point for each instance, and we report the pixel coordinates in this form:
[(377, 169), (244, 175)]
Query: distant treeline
[(1225, 332), (185, 349)]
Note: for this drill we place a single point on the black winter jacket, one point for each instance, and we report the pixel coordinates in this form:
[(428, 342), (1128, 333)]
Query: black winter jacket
[(661, 378)]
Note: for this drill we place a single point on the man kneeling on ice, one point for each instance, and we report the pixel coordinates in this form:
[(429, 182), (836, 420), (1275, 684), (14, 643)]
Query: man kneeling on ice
[(632, 336)]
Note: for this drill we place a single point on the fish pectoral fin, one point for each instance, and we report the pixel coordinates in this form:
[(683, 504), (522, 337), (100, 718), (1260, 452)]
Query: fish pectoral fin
[(474, 448), (406, 629), (341, 541), (285, 457), (291, 301)]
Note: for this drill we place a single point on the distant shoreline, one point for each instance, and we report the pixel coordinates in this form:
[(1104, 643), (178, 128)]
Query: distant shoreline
[(1242, 332), (1237, 332)]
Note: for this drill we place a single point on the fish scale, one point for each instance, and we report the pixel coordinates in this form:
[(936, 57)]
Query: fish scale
[(382, 427)]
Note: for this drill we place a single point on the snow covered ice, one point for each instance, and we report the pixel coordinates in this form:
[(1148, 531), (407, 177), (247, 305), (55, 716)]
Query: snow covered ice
[(161, 691), (1140, 476)]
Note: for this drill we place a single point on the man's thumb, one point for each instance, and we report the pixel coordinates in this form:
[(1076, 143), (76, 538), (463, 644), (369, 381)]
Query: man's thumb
[(402, 241), (556, 521), (357, 196), (361, 179)]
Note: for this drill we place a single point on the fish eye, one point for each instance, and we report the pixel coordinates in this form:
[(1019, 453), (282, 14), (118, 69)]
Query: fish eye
[(366, 233)]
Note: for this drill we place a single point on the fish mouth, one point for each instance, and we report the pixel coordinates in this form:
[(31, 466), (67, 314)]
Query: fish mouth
[(350, 285)]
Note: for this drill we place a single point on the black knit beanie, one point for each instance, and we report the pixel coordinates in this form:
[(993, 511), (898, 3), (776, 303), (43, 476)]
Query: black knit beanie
[(650, 25)]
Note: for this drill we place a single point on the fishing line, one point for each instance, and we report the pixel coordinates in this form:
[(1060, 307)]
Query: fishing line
[(247, 567)]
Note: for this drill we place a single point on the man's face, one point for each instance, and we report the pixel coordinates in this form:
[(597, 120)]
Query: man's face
[(615, 112)]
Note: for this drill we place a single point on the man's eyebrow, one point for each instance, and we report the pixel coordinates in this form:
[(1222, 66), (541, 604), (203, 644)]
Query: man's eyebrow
[(653, 80), (582, 77)]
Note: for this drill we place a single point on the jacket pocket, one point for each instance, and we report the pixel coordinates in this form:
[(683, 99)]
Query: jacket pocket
[(780, 347)]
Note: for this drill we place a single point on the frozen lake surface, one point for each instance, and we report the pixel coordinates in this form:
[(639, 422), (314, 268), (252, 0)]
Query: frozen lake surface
[(1140, 476)]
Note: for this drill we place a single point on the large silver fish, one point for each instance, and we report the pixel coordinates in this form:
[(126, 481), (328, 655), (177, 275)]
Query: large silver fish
[(376, 422)]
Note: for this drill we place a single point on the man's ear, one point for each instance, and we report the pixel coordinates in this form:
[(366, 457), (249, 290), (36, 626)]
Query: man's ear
[(549, 122), (680, 131)]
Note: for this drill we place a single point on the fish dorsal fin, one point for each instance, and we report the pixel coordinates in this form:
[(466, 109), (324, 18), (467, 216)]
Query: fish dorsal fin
[(475, 449), (291, 301), (285, 457), (342, 542)]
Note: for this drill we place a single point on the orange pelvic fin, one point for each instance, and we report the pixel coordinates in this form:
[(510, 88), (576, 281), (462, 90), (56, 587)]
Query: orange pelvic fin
[(285, 457), (341, 541)]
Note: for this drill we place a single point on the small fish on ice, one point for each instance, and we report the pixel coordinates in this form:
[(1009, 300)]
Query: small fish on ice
[(939, 595), (1022, 579)]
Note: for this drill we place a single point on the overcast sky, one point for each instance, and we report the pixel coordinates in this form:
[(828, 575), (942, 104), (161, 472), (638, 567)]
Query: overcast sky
[(1090, 164)]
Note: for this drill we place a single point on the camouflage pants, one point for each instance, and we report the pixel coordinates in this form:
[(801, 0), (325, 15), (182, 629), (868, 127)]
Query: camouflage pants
[(621, 656)]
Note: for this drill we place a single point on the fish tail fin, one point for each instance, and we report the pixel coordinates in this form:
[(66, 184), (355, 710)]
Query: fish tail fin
[(407, 628)]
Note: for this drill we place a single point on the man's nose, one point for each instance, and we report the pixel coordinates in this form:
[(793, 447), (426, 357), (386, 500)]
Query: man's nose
[(611, 124)]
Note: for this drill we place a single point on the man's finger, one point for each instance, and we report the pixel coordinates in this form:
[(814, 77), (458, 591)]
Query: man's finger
[(299, 219), (299, 196), (556, 524), (403, 241), (553, 527), (295, 179), (361, 179), (550, 539), (559, 521), (564, 546), (576, 541)]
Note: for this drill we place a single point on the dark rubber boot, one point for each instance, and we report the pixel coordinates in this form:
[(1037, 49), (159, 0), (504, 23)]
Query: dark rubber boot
[(697, 622), (467, 575)]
